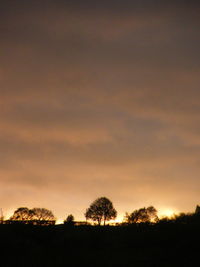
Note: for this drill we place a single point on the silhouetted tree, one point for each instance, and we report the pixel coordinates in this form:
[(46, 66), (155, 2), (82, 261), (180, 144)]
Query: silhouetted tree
[(42, 214), (184, 218), (142, 215), (197, 210), (1, 219), (1, 216), (101, 210), (22, 214), (69, 220), (35, 215)]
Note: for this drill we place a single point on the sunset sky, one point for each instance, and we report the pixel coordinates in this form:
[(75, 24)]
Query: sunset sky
[(99, 98)]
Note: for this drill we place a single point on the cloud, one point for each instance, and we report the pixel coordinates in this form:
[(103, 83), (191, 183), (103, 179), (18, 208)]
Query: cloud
[(99, 99)]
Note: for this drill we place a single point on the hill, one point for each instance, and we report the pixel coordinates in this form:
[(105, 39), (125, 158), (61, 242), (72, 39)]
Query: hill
[(140, 245)]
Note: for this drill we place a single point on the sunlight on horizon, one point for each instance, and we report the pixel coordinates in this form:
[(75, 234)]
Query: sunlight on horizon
[(169, 213), (163, 212)]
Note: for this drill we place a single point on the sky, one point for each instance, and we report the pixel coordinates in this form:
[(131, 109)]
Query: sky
[(99, 98)]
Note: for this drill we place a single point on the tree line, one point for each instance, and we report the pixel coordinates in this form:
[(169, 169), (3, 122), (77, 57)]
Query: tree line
[(99, 212)]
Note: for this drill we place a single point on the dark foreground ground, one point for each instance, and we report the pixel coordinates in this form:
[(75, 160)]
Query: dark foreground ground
[(159, 245)]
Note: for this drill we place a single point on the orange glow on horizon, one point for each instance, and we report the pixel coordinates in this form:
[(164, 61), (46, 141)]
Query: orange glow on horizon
[(169, 213)]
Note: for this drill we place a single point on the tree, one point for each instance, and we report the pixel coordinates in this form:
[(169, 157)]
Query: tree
[(42, 214), (69, 220), (142, 215), (101, 210), (197, 210), (22, 214), (1, 216), (36, 214)]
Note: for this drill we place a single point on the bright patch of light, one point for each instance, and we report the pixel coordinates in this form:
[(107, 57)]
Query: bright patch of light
[(59, 221), (167, 213), (8, 214), (119, 219)]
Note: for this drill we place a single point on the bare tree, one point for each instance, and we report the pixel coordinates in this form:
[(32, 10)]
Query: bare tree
[(42, 214), (101, 210), (32, 215), (22, 214)]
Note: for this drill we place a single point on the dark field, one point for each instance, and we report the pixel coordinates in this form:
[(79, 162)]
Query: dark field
[(159, 245)]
